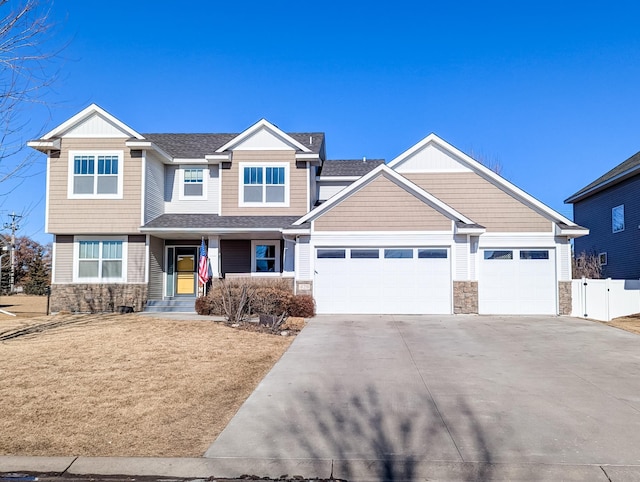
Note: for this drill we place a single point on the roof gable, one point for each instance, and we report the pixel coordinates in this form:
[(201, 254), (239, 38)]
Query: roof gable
[(384, 170), (434, 158), (263, 136), (93, 121)]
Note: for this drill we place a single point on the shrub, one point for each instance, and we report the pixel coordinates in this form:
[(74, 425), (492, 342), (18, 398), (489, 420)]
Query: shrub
[(303, 306), (271, 300)]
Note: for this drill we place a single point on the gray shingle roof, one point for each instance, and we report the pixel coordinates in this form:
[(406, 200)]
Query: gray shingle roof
[(196, 146), (349, 167), (213, 221), (631, 163)]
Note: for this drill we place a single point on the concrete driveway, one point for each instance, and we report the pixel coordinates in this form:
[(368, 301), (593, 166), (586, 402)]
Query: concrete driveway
[(445, 398)]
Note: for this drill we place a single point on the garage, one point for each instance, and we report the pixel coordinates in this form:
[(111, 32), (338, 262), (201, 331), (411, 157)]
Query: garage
[(402, 280), (517, 282)]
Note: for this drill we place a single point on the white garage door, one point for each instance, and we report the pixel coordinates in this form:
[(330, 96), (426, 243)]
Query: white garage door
[(383, 280), (517, 282)]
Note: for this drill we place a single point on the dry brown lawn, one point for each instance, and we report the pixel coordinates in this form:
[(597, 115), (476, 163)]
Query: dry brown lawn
[(629, 323), (118, 385), (23, 306)]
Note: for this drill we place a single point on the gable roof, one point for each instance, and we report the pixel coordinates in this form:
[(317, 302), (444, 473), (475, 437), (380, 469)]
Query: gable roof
[(349, 168), (486, 173), (266, 125), (619, 173), (381, 170), (84, 114)]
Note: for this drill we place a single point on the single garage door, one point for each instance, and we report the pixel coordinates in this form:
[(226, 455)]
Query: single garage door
[(517, 282), (383, 280)]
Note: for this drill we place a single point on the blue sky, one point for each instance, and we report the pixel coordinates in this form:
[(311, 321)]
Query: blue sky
[(547, 89)]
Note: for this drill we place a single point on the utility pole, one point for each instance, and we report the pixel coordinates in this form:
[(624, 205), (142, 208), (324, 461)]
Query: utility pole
[(13, 226)]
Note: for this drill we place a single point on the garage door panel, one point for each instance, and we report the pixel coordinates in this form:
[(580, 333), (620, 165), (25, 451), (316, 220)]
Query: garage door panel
[(383, 285)]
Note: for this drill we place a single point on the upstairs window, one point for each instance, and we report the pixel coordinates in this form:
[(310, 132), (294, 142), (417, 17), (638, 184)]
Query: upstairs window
[(264, 185), (193, 183), (617, 219), (95, 175)]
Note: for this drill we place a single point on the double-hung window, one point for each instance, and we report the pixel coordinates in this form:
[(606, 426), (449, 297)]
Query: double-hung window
[(95, 174), (194, 183), (100, 260), (262, 185)]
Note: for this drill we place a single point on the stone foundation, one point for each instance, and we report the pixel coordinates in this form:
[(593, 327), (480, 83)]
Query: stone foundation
[(304, 288), (97, 298), (564, 298), (465, 297)]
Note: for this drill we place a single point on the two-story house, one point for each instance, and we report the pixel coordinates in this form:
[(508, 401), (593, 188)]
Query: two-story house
[(433, 231)]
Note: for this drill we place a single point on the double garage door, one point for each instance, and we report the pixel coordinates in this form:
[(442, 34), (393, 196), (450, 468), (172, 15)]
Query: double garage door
[(408, 280)]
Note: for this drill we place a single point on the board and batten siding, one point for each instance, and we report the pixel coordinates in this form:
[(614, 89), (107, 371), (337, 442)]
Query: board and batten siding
[(154, 189), (382, 205), (156, 268), (481, 201), (136, 258), (174, 205), (328, 189), (231, 184), (64, 259), (94, 216), (461, 248), (303, 258)]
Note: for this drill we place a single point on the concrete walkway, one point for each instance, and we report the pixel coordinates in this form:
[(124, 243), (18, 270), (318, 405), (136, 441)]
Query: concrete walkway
[(425, 398)]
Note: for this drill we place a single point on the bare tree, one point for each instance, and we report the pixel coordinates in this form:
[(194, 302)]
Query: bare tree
[(586, 265), (491, 162), (26, 73)]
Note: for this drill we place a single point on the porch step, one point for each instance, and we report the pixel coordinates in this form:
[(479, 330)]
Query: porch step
[(171, 306)]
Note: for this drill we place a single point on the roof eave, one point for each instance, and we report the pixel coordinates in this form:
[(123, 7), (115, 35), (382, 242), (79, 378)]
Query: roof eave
[(571, 232), (579, 196), (139, 144), (45, 145)]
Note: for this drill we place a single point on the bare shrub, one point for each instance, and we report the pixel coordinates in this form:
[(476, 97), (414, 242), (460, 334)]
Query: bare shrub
[(302, 306), (586, 265)]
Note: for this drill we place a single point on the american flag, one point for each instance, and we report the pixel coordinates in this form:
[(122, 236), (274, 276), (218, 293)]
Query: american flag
[(203, 266)]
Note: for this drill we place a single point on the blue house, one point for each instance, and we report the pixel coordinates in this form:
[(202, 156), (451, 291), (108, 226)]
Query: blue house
[(610, 208)]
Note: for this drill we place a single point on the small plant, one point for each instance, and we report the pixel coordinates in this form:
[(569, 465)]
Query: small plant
[(302, 306)]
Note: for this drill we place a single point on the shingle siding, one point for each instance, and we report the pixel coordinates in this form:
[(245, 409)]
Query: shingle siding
[(622, 248)]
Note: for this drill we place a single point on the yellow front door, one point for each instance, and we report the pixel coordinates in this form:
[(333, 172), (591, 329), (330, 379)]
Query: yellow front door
[(185, 271)]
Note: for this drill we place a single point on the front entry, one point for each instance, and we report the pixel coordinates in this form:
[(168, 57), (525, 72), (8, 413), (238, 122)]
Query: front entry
[(181, 281)]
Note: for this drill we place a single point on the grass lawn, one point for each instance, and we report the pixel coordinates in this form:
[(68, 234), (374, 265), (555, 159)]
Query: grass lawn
[(109, 385), (629, 323)]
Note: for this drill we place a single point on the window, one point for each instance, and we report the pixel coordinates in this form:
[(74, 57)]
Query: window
[(432, 253), (603, 258), (398, 253), (498, 254), (100, 260), (331, 253), (265, 256), (534, 254), (617, 219), (95, 174), (193, 182), (365, 253), (264, 185)]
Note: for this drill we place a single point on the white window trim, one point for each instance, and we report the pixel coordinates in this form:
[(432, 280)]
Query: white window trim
[(265, 204), (601, 256), (205, 183), (257, 242), (613, 230), (76, 259), (95, 153)]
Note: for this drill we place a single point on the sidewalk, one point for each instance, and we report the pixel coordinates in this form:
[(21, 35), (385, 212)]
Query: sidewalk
[(358, 470)]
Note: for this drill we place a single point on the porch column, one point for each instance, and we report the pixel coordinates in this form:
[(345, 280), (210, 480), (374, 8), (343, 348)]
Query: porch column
[(214, 255)]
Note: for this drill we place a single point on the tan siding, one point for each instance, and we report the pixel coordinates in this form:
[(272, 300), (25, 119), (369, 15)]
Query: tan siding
[(64, 259), (136, 257), (481, 201), (382, 206), (89, 216), (297, 189), (156, 265)]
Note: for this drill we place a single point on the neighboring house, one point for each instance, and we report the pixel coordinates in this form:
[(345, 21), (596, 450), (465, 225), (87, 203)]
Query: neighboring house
[(610, 208), (434, 231)]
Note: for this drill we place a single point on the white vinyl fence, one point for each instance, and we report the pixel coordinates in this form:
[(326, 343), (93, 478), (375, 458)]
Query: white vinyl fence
[(604, 299)]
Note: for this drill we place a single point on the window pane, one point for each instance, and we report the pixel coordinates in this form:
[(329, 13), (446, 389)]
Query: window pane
[(112, 250), (331, 253), (88, 269), (253, 194), (253, 175), (432, 253), (112, 269), (83, 185), (107, 184), (265, 266), (265, 251), (498, 255), (193, 189), (537, 254), (275, 194), (398, 253), (365, 253), (89, 249), (617, 219), (275, 175)]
